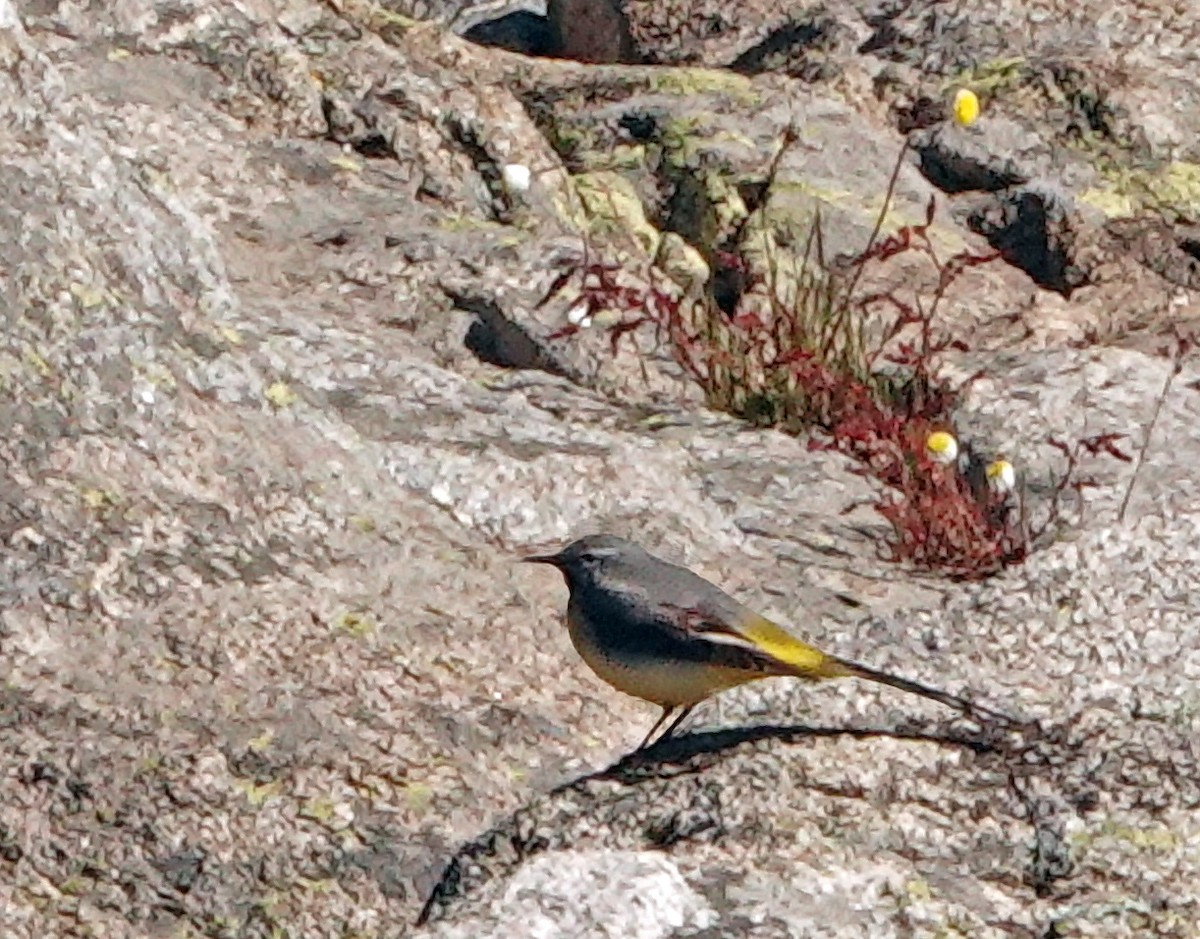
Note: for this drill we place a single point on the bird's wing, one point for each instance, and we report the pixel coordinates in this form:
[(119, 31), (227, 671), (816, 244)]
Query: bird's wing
[(738, 627)]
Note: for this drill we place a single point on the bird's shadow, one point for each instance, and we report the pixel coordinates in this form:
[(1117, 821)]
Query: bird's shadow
[(695, 752)]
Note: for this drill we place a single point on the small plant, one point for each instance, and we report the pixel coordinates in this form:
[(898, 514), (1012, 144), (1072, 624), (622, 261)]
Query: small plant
[(809, 352)]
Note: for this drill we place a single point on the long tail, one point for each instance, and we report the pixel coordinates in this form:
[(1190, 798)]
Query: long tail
[(844, 668), (778, 652)]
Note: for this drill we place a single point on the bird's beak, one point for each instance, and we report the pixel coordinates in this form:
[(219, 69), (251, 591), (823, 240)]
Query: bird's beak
[(552, 559)]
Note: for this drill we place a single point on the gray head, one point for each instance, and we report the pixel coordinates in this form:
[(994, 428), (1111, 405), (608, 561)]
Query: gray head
[(592, 558), (607, 570)]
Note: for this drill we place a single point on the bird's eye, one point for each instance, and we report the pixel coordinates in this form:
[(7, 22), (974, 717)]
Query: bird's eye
[(596, 556)]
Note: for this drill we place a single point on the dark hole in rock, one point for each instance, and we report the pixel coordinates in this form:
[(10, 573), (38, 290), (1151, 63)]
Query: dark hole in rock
[(640, 125), (1032, 232), (523, 31), (781, 46), (495, 339), (1190, 246), (374, 147), (729, 283), (953, 172)]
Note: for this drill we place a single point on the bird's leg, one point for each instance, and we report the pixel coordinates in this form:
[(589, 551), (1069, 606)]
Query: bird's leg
[(674, 725), (667, 712)]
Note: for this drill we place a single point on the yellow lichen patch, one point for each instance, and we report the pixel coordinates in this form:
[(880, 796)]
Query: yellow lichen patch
[(99, 500), (362, 523), (324, 885), (620, 157), (683, 263), (40, 365), (611, 205), (1174, 190), (1112, 203), (349, 164), (1177, 188), (791, 212), (262, 741), (1156, 838), (697, 81), (280, 395), (256, 795), (88, 297), (356, 624), (992, 77), (468, 223), (321, 809), (683, 139), (417, 795)]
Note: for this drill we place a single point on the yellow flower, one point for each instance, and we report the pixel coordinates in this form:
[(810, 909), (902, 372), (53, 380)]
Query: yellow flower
[(1001, 477), (966, 107), (941, 447)]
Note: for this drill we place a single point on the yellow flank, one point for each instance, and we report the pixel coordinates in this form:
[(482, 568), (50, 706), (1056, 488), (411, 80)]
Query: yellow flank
[(667, 683), (670, 684), (803, 660)]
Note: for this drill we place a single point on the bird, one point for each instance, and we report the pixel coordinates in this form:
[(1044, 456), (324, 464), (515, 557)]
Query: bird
[(660, 632)]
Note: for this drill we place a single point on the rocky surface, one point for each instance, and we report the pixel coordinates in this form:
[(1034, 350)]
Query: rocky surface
[(282, 404)]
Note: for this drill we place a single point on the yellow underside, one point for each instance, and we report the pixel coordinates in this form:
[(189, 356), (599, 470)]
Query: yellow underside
[(678, 685), (684, 683)]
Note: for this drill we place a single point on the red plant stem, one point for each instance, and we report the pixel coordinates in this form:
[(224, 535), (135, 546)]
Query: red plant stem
[(883, 211)]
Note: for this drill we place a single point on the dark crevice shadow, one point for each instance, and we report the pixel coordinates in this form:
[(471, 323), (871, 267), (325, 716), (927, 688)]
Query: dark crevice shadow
[(520, 31), (519, 837), (794, 38), (696, 752)]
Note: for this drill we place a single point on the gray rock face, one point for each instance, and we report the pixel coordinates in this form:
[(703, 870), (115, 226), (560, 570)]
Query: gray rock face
[(282, 403)]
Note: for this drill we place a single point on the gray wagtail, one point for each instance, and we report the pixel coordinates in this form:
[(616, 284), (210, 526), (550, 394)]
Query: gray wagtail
[(661, 633)]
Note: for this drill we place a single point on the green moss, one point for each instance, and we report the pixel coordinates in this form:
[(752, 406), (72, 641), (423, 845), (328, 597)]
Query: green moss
[(991, 78), (74, 886), (681, 140), (698, 81), (622, 157), (570, 141)]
